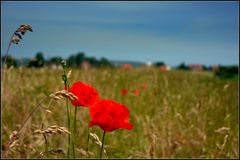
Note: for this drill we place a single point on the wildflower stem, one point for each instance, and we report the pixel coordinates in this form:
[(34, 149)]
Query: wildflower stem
[(73, 145), (102, 144), (87, 140), (68, 111), (75, 122), (75, 131), (68, 127)]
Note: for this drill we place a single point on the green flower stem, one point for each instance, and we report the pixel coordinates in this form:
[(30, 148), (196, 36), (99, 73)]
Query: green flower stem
[(102, 144), (68, 111), (73, 146), (69, 137), (75, 131), (75, 121), (87, 140)]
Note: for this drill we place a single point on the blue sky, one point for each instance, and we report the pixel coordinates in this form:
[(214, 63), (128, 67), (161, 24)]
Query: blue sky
[(173, 32)]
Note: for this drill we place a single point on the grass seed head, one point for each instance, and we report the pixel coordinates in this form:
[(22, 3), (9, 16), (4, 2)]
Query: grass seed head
[(69, 73), (222, 130), (52, 130), (63, 93)]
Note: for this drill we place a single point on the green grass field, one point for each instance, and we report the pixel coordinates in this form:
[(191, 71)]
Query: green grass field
[(178, 115)]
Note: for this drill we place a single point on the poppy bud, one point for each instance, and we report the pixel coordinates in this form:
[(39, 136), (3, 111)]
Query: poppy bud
[(64, 78)]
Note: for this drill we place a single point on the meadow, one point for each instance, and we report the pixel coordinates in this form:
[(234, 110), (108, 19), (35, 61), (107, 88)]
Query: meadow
[(177, 114)]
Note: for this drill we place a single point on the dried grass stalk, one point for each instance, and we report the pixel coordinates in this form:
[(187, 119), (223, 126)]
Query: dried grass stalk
[(14, 144), (53, 151), (63, 94), (97, 140), (69, 73), (222, 130), (13, 139), (48, 111), (83, 152), (55, 129)]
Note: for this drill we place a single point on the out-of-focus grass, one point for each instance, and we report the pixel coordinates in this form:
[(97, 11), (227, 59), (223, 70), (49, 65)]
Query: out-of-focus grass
[(177, 115)]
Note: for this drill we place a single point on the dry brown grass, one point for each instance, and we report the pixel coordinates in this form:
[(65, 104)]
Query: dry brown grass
[(178, 115)]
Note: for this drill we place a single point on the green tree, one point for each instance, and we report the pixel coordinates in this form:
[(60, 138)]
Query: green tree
[(71, 61), (158, 64), (182, 66), (227, 72), (79, 58), (38, 61), (105, 63), (10, 61), (76, 60), (93, 61), (55, 60)]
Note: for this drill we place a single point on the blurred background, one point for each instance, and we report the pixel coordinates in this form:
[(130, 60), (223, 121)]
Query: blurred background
[(173, 64), (199, 35)]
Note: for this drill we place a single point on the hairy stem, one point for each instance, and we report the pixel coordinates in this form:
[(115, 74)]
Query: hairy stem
[(68, 124), (66, 84), (75, 131), (102, 144), (75, 122), (87, 140), (75, 127)]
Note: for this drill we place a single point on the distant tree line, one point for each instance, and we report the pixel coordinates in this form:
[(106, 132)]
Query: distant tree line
[(10, 61), (183, 66), (223, 72), (159, 64), (74, 60), (227, 72), (77, 59)]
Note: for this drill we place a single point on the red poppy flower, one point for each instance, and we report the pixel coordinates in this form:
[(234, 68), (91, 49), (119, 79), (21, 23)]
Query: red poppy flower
[(136, 92), (110, 115), (124, 91), (87, 95)]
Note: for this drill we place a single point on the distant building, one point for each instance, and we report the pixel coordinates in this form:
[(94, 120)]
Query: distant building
[(195, 67), (120, 63), (85, 65), (168, 68), (126, 66), (54, 66), (149, 63), (164, 68)]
